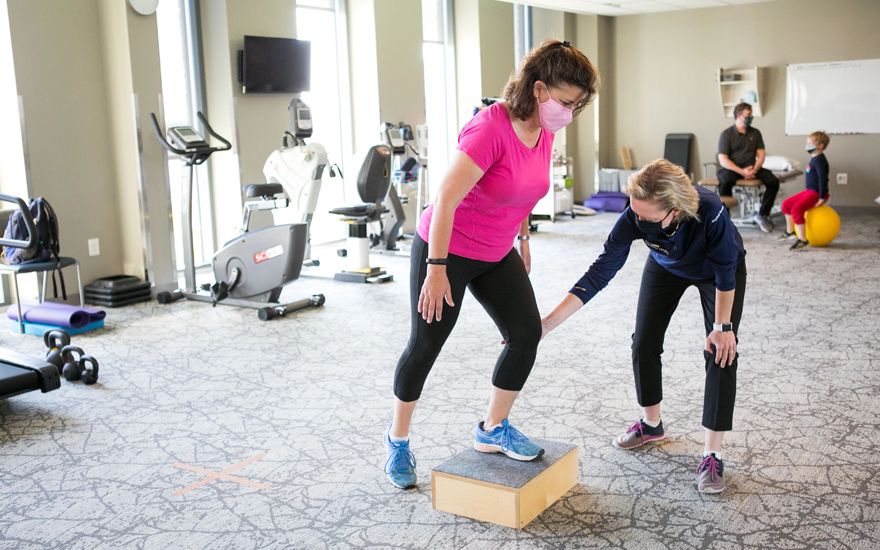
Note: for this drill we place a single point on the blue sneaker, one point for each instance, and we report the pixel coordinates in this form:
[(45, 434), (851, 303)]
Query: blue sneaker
[(508, 440), (401, 464)]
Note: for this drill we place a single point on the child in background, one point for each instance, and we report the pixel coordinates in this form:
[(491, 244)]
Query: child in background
[(814, 195)]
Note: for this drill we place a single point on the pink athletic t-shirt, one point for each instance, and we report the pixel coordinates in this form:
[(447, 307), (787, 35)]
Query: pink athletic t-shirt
[(515, 178)]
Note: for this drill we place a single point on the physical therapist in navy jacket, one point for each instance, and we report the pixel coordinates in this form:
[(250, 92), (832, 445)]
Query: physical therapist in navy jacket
[(692, 242)]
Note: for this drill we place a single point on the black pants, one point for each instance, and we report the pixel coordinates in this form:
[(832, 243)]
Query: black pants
[(658, 299), (503, 289), (727, 179)]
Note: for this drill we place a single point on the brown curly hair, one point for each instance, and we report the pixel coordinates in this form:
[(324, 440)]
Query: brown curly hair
[(553, 63)]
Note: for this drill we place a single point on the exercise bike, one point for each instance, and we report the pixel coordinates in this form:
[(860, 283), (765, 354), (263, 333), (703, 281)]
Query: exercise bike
[(298, 168), (251, 269)]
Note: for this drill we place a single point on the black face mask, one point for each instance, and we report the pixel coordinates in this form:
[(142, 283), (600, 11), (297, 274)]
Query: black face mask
[(653, 227), (747, 120)]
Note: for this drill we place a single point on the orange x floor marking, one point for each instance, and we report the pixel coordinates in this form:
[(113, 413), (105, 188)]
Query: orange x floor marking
[(218, 475)]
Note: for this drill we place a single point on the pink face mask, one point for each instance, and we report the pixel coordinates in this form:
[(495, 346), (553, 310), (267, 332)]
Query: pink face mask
[(553, 115)]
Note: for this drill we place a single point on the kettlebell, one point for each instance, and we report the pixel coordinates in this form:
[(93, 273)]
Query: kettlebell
[(55, 340), (71, 370), (89, 375)]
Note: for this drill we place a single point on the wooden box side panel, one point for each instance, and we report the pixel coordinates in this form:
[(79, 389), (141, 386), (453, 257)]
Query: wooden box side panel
[(538, 494), (475, 500)]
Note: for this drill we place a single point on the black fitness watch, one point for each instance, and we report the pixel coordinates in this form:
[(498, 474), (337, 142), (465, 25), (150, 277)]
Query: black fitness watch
[(723, 327)]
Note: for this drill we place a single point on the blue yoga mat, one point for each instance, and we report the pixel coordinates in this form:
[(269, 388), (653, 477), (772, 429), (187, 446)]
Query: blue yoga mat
[(38, 330), (59, 315)]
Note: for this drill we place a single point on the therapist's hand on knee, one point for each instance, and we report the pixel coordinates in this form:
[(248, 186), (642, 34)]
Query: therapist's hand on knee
[(725, 347), (434, 290)]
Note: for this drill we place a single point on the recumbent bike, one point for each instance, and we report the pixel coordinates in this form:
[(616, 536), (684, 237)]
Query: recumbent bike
[(251, 269)]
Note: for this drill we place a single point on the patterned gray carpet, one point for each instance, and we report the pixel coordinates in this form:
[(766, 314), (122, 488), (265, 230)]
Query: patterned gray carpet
[(186, 391)]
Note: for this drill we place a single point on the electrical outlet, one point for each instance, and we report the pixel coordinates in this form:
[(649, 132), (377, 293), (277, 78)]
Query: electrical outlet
[(841, 179), (94, 247)]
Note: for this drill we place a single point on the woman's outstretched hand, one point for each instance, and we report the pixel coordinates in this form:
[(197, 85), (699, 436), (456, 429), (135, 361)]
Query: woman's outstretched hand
[(725, 347), (546, 327), (434, 290), (563, 311)]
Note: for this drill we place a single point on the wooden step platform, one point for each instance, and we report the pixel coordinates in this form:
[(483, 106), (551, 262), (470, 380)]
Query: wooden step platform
[(498, 489)]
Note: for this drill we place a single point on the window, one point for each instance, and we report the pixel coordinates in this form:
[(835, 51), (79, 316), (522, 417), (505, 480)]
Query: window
[(439, 61), (316, 22), (183, 97), (13, 172)]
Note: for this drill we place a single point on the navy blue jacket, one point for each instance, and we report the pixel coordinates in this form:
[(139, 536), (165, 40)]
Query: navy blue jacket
[(817, 175), (701, 250)]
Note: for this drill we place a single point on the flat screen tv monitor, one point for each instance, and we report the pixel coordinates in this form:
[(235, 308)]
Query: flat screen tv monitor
[(275, 65)]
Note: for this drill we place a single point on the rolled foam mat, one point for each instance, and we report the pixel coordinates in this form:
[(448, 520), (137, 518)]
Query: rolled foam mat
[(62, 315)]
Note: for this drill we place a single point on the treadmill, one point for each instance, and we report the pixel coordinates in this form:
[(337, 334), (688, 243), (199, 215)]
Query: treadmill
[(22, 373)]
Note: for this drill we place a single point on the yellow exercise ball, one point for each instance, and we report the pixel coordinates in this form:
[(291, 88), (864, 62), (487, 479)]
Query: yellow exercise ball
[(822, 224)]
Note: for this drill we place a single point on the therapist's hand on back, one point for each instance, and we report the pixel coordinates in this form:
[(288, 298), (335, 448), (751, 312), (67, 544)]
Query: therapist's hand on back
[(435, 290)]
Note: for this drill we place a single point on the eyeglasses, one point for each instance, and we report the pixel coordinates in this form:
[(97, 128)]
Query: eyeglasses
[(661, 220)]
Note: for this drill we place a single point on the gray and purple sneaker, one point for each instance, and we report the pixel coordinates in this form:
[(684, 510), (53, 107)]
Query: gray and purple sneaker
[(710, 475), (638, 434)]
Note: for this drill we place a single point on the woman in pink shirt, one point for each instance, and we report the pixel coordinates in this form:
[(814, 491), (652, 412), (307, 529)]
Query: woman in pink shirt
[(465, 240)]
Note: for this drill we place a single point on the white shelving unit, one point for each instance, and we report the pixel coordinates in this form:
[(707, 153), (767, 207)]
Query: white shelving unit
[(560, 198), (748, 88)]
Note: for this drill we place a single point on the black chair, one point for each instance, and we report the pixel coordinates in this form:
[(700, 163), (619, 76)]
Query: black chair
[(21, 373), (39, 267), (373, 182), (678, 150)]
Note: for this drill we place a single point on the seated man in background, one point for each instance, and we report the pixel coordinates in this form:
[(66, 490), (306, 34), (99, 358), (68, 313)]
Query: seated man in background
[(741, 154)]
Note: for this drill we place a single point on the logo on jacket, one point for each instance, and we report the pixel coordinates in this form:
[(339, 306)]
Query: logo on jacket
[(656, 247)]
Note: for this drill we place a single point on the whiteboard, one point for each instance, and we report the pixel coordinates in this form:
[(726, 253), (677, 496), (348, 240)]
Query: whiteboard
[(841, 97)]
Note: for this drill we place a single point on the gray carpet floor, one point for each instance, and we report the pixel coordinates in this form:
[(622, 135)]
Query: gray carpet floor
[(310, 395)]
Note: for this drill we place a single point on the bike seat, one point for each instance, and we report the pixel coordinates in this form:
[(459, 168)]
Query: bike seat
[(365, 212), (263, 189)]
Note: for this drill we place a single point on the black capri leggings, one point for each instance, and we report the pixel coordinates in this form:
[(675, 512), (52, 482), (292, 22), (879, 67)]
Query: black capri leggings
[(502, 288)]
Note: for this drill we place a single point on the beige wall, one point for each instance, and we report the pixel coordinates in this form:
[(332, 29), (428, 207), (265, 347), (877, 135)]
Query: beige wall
[(399, 61), (468, 68), (260, 119), (364, 73), (13, 178), (387, 77), (663, 73), (130, 50), (547, 24), (606, 104), (386, 68), (496, 46), (484, 52), (56, 46), (582, 140)]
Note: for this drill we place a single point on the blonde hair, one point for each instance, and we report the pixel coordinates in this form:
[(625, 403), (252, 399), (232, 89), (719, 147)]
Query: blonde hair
[(666, 184), (820, 138)]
